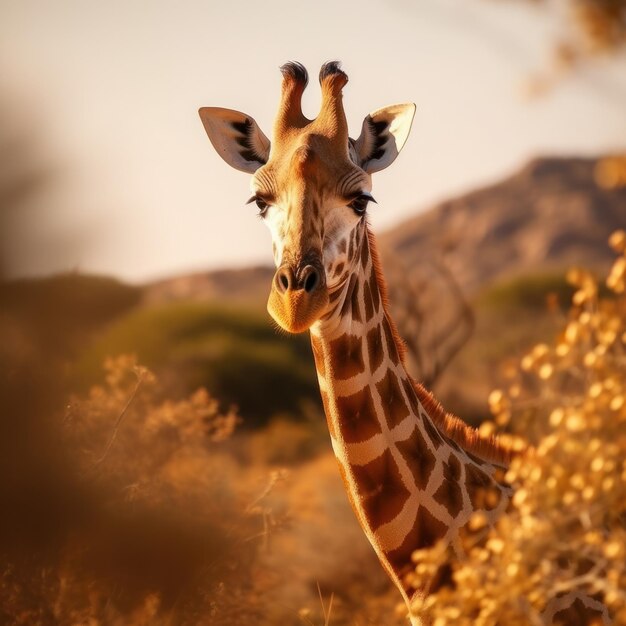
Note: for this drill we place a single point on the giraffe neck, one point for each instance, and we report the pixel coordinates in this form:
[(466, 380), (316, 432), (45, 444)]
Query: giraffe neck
[(408, 483)]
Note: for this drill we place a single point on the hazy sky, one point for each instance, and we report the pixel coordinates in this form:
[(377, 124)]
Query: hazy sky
[(112, 89)]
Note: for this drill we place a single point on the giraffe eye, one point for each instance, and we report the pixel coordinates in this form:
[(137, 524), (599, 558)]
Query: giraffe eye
[(359, 204), (262, 204)]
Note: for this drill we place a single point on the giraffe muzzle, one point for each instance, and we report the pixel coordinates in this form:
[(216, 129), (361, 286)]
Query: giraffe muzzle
[(298, 298)]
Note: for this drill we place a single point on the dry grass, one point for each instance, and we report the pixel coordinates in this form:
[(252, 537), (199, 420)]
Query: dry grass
[(136, 509)]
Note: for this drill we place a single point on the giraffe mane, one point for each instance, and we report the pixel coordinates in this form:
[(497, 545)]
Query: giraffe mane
[(491, 448)]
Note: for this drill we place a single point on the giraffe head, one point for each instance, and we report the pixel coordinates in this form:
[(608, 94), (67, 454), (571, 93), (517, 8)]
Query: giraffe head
[(311, 184)]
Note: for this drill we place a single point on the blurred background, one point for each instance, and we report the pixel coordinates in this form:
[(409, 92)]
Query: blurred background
[(150, 473)]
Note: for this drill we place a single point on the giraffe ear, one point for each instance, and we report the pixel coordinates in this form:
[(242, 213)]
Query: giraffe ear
[(236, 137), (383, 134)]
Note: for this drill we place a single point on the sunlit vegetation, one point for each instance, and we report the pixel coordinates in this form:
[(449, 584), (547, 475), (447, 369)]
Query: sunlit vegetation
[(510, 315), (234, 352), (610, 172), (587, 29), (565, 531), (530, 292), (142, 523), (600, 25)]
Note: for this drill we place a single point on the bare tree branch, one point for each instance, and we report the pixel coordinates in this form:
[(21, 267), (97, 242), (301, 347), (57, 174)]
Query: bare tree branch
[(432, 313)]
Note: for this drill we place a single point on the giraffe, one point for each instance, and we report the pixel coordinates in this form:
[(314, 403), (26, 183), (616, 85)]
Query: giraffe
[(414, 474)]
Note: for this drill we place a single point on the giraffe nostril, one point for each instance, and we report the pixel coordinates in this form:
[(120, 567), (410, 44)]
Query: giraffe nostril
[(310, 282), (283, 279), (310, 278)]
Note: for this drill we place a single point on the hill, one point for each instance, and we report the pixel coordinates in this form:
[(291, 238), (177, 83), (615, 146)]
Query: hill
[(545, 218)]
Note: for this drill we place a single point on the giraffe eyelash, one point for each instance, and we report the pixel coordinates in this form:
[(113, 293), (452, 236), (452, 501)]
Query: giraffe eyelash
[(261, 203), (359, 203)]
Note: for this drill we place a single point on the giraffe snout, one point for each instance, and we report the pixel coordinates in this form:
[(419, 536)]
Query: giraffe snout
[(298, 296)]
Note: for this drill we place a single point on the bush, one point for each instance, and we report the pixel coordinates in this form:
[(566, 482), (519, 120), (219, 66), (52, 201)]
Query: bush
[(143, 524), (566, 527), (529, 292), (233, 352)]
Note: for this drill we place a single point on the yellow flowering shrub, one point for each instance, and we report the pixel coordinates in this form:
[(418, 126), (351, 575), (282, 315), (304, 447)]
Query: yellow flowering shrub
[(565, 530)]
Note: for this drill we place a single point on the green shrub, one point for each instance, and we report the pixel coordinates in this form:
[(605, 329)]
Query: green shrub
[(234, 352), (531, 291)]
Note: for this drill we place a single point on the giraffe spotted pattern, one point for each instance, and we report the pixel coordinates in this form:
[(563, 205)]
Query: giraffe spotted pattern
[(409, 485)]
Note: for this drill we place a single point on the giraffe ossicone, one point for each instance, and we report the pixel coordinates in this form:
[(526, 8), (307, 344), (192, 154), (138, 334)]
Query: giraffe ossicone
[(414, 475)]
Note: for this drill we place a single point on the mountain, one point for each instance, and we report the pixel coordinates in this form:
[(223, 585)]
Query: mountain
[(547, 217)]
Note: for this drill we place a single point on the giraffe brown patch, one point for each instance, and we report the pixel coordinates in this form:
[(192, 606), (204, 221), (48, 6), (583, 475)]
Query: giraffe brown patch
[(340, 267), (449, 493), (357, 416), (343, 246), (334, 296), (475, 458), (364, 256), (431, 430), (375, 348), (318, 355), (419, 457), (356, 307), (375, 291), (483, 491), (356, 233), (453, 444), (380, 486), (425, 533), (410, 394), (346, 307), (392, 400), (367, 300), (352, 247), (347, 356), (392, 349)]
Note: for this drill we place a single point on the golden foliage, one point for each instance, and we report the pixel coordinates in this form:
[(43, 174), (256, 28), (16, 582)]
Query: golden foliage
[(602, 23), (610, 172), (592, 28), (144, 524), (565, 530)]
